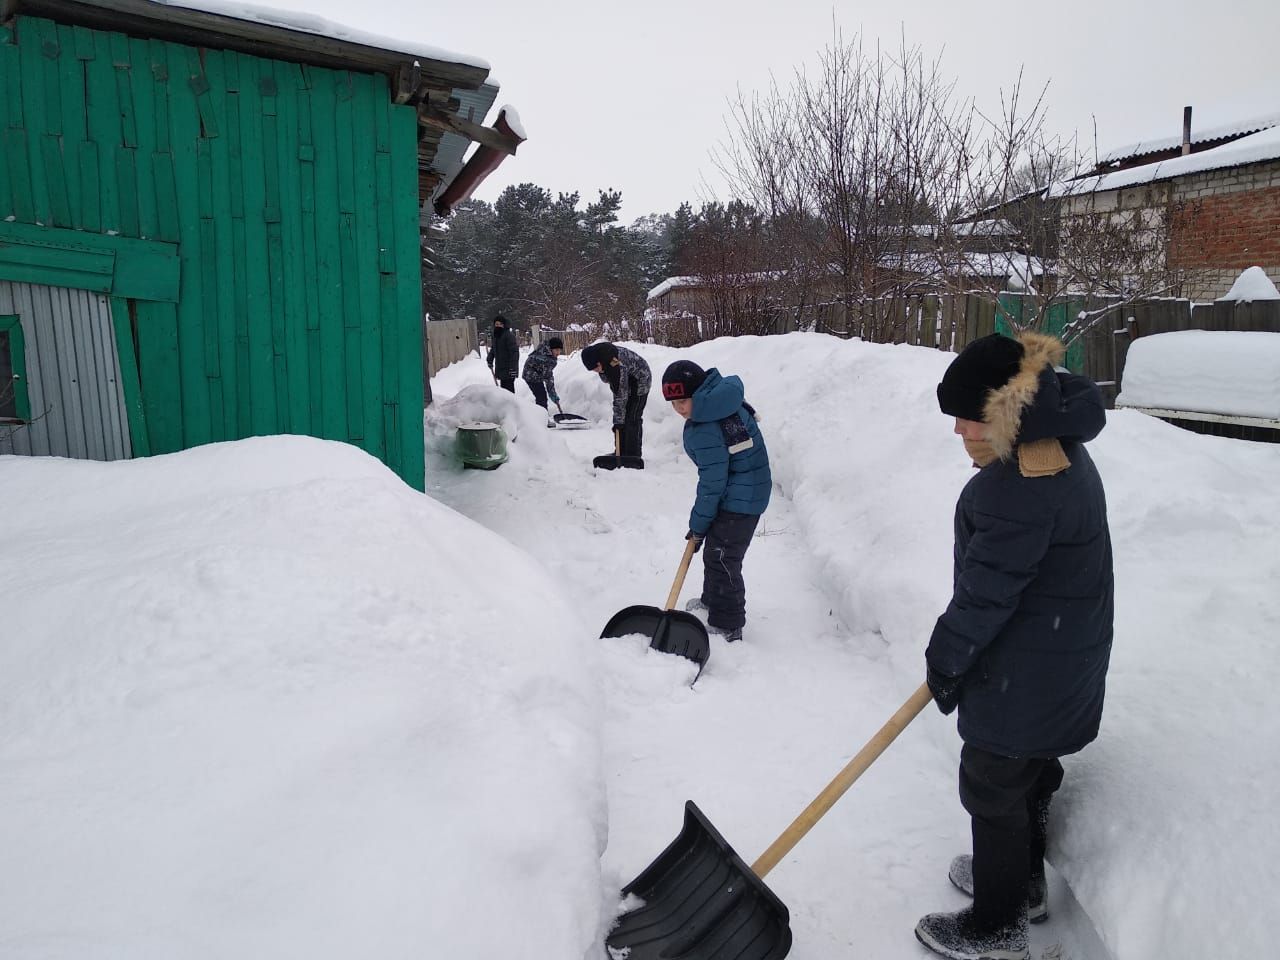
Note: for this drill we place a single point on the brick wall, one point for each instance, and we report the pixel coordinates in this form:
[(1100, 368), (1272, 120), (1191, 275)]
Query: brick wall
[(1220, 222), (1223, 222)]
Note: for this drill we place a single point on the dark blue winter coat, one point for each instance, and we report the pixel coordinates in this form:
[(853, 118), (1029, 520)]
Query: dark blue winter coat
[(1029, 626), (722, 438)]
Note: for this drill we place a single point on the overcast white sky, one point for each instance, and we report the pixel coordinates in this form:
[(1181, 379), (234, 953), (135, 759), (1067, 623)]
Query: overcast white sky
[(632, 95)]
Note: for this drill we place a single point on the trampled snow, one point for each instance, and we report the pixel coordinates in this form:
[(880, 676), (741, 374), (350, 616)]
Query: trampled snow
[(1236, 373), (288, 707)]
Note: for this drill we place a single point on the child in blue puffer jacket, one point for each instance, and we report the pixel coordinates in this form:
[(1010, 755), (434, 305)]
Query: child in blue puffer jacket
[(722, 438)]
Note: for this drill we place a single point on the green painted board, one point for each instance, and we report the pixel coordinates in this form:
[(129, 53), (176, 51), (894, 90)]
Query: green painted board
[(296, 280), (56, 177), (404, 176), (33, 96), (259, 377), (159, 374), (74, 118), (126, 349), (104, 130)]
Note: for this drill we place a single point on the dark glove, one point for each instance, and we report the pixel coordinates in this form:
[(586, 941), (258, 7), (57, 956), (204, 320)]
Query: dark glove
[(945, 690), (696, 538)]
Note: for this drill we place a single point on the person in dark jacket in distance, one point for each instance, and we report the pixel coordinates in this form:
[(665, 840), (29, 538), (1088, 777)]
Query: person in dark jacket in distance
[(504, 354), (1023, 647), (722, 438), (540, 371), (629, 379)]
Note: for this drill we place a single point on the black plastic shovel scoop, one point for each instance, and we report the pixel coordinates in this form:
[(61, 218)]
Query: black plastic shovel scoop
[(611, 461), (668, 630), (572, 421), (702, 902)]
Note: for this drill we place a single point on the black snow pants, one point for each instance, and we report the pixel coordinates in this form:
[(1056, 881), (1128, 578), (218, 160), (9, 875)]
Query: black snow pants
[(633, 424), (1007, 799), (539, 393), (723, 589), (508, 383)]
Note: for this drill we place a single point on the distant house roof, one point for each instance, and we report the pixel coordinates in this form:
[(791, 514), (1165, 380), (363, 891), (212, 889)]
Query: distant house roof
[(671, 283), (1225, 131), (1255, 148)]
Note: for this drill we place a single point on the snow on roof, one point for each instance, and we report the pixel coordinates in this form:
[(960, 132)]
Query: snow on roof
[(1252, 284), (320, 27), (1231, 373), (1158, 144), (672, 283), (1006, 263), (1255, 148)]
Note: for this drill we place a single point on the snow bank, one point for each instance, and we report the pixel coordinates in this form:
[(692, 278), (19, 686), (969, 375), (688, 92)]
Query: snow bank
[(262, 699), (1209, 371), (1252, 284), (1161, 828)]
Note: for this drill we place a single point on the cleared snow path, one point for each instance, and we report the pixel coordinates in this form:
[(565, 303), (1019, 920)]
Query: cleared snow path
[(771, 720)]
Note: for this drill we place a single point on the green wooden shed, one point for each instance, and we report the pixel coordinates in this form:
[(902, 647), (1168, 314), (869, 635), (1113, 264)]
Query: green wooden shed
[(210, 227)]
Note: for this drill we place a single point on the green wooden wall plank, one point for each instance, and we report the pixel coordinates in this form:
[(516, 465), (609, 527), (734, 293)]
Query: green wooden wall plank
[(126, 349), (104, 129), (387, 297), (364, 135), (90, 187), (84, 49), (239, 327), (74, 117), (9, 104), (56, 172), (19, 170), (333, 401), (33, 99), (10, 80), (404, 176), (272, 213), (50, 54), (159, 375), (261, 365), (158, 56), (310, 258), (127, 190), (121, 62), (222, 325), (296, 281), (166, 196), (142, 91), (184, 124)]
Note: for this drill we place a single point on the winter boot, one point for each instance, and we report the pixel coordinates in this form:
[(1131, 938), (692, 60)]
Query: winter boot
[(961, 877), (960, 937), (696, 606)]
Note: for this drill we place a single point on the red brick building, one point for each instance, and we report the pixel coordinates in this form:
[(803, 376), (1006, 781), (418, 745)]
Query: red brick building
[(1219, 207)]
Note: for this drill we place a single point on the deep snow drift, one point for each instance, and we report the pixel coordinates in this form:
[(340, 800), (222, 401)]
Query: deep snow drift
[(1160, 828), (262, 699)]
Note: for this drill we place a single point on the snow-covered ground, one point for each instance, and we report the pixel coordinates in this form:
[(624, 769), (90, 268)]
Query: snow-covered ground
[(261, 699)]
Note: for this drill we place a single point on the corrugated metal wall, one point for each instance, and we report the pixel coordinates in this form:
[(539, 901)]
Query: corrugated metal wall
[(73, 375)]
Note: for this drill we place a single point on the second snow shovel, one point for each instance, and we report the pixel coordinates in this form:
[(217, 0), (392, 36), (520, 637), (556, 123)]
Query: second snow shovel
[(701, 901), (616, 459), (572, 421), (668, 630)]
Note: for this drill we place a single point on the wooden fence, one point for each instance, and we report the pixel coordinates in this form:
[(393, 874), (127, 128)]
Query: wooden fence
[(448, 341)]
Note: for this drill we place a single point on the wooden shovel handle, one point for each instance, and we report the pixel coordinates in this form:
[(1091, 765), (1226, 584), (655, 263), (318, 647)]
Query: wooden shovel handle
[(843, 781), (674, 595)]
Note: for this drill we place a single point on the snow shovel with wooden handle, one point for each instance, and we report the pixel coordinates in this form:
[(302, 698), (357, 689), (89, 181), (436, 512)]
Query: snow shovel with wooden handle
[(616, 459), (701, 901), (668, 630)]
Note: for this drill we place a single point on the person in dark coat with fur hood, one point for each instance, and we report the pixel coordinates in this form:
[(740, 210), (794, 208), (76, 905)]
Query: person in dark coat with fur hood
[(722, 438), (504, 354), (629, 379), (1023, 647)]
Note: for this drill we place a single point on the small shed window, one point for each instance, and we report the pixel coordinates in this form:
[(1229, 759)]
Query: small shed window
[(14, 404)]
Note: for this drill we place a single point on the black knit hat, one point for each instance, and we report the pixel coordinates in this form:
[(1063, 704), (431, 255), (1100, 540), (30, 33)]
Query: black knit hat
[(986, 364), (601, 353), (681, 380), (555, 343)]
